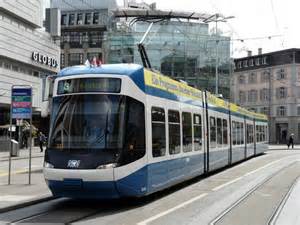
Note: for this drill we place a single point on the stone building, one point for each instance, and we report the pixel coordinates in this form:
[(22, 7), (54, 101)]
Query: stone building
[(270, 83)]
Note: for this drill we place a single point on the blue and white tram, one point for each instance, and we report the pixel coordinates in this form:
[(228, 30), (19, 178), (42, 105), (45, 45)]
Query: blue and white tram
[(121, 130)]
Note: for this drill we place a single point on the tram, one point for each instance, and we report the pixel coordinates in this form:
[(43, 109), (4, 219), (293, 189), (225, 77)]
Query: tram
[(120, 130)]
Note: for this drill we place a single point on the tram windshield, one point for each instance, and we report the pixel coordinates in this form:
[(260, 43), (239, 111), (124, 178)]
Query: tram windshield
[(90, 122)]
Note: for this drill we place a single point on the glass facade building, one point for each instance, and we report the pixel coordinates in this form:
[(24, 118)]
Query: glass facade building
[(181, 49)]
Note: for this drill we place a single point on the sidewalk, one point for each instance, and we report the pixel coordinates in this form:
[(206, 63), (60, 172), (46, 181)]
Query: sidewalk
[(283, 147), (23, 154), (19, 193)]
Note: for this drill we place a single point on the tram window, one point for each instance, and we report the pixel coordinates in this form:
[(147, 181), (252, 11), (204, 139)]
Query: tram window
[(158, 132), (257, 133), (212, 132), (238, 133), (242, 133), (174, 132), (225, 132), (134, 144), (197, 132), (187, 141), (234, 141), (249, 133), (219, 132)]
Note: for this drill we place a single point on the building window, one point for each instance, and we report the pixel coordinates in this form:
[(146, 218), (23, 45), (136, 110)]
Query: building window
[(91, 55), (96, 18), (252, 109), (15, 68), (75, 59), (252, 78), (72, 19), (252, 96), (88, 17), (95, 39), (36, 73), (264, 61), (281, 111), (264, 94), (298, 110), (239, 64), (251, 62), (265, 75), (281, 74), (158, 132), (242, 79), (62, 60), (7, 65), (64, 19), (281, 92), (242, 97), (75, 40), (265, 110), (257, 61), (79, 19), (245, 63)]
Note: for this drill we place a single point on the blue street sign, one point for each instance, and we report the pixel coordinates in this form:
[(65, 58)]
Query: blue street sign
[(21, 102)]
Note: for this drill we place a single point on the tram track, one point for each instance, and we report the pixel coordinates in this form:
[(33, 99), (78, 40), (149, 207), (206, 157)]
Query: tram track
[(232, 212)]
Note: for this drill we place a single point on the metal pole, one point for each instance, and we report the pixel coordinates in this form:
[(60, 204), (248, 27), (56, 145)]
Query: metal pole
[(30, 148), (10, 136), (217, 60)]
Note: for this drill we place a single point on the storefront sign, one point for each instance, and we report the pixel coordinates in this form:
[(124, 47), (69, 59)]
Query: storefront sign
[(21, 102), (44, 59)]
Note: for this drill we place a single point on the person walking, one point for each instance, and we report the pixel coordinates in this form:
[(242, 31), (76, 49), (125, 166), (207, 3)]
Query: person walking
[(41, 140), (291, 141)]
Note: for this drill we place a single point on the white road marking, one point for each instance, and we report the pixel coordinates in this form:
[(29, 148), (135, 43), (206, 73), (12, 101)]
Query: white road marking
[(226, 184), (260, 168), (247, 174), (172, 209)]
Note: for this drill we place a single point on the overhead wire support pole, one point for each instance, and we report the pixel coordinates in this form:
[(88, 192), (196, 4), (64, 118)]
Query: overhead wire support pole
[(141, 48), (217, 18)]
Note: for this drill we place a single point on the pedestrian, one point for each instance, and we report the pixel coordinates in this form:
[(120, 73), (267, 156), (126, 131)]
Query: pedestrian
[(291, 141), (41, 140), (25, 140)]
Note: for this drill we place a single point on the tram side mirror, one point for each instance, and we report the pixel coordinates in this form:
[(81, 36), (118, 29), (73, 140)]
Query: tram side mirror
[(47, 93)]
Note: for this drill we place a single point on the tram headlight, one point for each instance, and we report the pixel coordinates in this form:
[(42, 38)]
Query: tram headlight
[(48, 165), (107, 166)]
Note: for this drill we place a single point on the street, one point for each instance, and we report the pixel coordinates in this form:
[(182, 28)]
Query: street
[(253, 192)]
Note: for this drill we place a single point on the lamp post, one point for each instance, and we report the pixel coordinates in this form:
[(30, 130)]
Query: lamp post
[(217, 18)]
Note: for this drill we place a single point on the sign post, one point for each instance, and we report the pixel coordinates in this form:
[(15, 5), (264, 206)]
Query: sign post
[(21, 108)]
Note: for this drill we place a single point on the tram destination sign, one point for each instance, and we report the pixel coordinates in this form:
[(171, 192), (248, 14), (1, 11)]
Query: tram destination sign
[(21, 102)]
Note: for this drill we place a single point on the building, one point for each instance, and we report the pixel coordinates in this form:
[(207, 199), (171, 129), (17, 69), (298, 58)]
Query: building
[(178, 44), (28, 53), (270, 83), (83, 25)]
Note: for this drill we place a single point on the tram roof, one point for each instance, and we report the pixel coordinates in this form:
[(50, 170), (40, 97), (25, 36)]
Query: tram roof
[(124, 69)]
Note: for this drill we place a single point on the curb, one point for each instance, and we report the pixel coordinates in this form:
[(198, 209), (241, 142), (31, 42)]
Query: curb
[(27, 203)]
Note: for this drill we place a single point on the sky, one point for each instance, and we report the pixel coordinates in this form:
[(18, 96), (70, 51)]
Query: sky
[(268, 24)]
